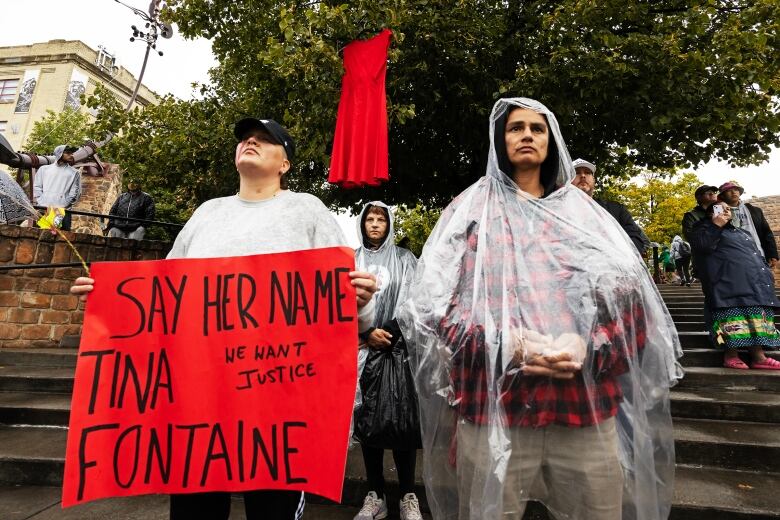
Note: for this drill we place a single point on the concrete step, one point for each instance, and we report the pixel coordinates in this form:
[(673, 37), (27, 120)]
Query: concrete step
[(32, 455), (698, 298), (689, 326), (712, 357), (39, 357), (706, 493), (682, 317), (692, 309), (728, 405), (36, 379), (37, 409), (43, 503), (730, 379), (694, 339), (746, 446), (700, 494), (42, 409)]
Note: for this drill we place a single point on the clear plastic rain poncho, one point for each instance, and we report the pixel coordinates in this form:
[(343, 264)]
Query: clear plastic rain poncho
[(14, 204), (393, 267), (504, 278)]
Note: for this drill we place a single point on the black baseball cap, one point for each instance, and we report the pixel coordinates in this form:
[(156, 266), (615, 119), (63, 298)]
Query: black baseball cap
[(69, 149), (701, 190), (277, 132)]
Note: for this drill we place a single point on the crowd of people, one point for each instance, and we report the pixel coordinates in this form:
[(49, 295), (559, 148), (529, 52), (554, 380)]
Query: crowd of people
[(529, 353)]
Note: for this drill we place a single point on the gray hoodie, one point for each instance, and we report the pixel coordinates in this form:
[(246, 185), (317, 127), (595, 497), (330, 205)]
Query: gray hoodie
[(57, 185)]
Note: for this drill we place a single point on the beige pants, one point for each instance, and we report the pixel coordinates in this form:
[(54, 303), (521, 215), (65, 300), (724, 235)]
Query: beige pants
[(574, 471)]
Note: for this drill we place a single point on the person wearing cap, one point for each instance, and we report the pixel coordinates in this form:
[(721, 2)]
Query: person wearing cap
[(705, 196), (739, 290), (262, 218), (133, 203), (58, 185), (751, 219), (585, 179)]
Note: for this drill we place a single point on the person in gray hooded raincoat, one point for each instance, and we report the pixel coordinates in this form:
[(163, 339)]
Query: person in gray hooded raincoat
[(394, 268), (58, 185)]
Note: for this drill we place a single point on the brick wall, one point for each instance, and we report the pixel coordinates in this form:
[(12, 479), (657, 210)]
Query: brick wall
[(771, 208), (97, 196), (36, 309)]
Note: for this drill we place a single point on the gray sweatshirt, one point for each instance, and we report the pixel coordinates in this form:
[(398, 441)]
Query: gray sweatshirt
[(231, 226), (57, 185)]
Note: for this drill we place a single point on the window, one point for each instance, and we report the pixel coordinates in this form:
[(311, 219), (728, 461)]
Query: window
[(3, 124), (8, 90)]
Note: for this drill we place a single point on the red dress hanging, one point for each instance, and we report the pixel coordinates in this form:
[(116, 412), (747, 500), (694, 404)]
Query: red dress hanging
[(360, 145)]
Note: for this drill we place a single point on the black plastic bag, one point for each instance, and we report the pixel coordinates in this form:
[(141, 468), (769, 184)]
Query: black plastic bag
[(388, 416)]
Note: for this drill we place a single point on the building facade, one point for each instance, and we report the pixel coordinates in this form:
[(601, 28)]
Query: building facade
[(51, 76)]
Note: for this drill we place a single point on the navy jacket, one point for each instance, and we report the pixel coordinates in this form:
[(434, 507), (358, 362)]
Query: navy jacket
[(733, 272)]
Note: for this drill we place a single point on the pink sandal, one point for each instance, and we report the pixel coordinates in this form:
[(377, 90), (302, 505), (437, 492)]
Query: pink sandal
[(735, 362), (767, 364)]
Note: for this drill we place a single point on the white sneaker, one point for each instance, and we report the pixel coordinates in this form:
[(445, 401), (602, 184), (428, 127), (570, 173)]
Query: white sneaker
[(374, 508), (410, 507)]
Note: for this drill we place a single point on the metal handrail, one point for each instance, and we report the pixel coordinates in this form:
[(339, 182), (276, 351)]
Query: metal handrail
[(116, 217)]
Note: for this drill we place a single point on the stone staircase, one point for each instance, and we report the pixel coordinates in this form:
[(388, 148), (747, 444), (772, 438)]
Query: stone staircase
[(727, 426), (727, 436)]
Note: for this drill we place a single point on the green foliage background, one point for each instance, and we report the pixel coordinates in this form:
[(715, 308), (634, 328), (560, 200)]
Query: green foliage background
[(658, 84), (415, 224), (657, 203), (70, 127)]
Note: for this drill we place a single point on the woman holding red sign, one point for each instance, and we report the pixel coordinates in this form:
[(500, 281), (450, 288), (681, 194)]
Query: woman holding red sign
[(262, 218)]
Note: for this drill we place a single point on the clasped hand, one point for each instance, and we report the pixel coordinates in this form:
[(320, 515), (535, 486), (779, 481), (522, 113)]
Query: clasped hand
[(540, 355)]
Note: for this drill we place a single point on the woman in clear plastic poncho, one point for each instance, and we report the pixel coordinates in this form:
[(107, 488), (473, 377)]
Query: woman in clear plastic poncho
[(391, 264), (543, 354), (387, 417)]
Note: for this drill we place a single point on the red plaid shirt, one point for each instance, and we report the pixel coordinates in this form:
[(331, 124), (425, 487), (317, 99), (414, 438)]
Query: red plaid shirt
[(594, 394)]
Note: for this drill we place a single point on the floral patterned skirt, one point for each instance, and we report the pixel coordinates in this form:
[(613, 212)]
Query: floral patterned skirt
[(738, 327)]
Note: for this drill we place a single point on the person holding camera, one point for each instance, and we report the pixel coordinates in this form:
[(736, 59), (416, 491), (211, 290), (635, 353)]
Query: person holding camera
[(751, 219), (739, 289)]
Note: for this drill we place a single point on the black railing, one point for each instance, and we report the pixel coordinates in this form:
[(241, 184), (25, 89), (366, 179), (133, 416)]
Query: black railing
[(656, 267), (116, 217)]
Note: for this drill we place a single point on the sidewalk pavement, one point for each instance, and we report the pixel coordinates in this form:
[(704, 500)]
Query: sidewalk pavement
[(43, 503)]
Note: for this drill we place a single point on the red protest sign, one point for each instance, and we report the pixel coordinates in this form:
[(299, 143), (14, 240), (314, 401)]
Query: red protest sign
[(218, 374)]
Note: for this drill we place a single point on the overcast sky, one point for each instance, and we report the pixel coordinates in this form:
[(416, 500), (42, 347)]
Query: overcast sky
[(107, 23)]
